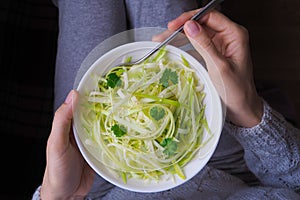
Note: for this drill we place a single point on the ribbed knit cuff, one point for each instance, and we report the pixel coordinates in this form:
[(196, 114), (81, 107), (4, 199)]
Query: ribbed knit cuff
[(270, 131), (37, 194), (272, 149)]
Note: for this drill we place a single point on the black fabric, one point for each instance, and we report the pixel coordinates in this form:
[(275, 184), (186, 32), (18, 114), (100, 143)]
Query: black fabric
[(28, 34)]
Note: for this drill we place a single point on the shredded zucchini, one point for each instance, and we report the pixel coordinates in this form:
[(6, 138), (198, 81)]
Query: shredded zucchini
[(147, 120)]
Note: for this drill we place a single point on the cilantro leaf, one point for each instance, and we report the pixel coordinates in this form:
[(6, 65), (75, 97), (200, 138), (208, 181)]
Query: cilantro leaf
[(157, 113), (113, 80), (170, 146), (168, 78), (118, 130)]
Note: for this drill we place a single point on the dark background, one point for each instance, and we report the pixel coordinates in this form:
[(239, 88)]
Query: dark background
[(28, 36), (28, 33)]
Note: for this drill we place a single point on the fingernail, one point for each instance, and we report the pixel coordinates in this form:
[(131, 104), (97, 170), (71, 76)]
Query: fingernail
[(69, 97), (192, 28)]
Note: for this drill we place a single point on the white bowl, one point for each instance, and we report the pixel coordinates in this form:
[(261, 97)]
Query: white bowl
[(213, 113)]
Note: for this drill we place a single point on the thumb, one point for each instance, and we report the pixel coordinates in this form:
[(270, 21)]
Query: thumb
[(61, 125), (216, 63), (199, 38)]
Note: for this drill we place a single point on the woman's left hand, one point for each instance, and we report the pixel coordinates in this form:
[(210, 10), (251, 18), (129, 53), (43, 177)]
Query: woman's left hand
[(67, 175)]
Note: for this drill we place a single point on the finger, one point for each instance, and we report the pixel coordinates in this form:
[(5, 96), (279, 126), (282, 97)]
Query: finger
[(218, 22), (202, 42), (178, 41), (161, 36), (232, 34), (179, 21), (61, 126), (213, 19)]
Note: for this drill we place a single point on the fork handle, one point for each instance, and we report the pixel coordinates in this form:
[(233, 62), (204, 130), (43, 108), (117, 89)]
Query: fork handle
[(211, 5)]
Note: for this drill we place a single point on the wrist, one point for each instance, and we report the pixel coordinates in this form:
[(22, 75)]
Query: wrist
[(45, 195), (248, 115), (46, 191)]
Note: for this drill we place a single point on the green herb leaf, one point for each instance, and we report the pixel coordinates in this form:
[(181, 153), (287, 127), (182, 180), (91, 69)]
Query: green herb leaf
[(169, 77), (170, 146), (157, 113), (118, 130), (113, 80)]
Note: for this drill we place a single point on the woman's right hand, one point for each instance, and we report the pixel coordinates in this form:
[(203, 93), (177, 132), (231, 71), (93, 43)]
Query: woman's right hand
[(224, 47)]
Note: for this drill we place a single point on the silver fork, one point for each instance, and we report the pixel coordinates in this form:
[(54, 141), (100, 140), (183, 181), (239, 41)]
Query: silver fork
[(209, 6)]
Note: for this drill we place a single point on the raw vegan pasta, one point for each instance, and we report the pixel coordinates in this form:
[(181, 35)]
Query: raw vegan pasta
[(146, 121)]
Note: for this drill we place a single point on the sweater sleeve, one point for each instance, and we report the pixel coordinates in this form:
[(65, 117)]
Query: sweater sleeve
[(272, 149), (36, 194)]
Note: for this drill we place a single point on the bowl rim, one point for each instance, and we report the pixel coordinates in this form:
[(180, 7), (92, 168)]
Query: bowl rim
[(118, 181)]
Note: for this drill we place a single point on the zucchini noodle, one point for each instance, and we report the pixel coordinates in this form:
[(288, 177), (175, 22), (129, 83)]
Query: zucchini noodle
[(147, 120)]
